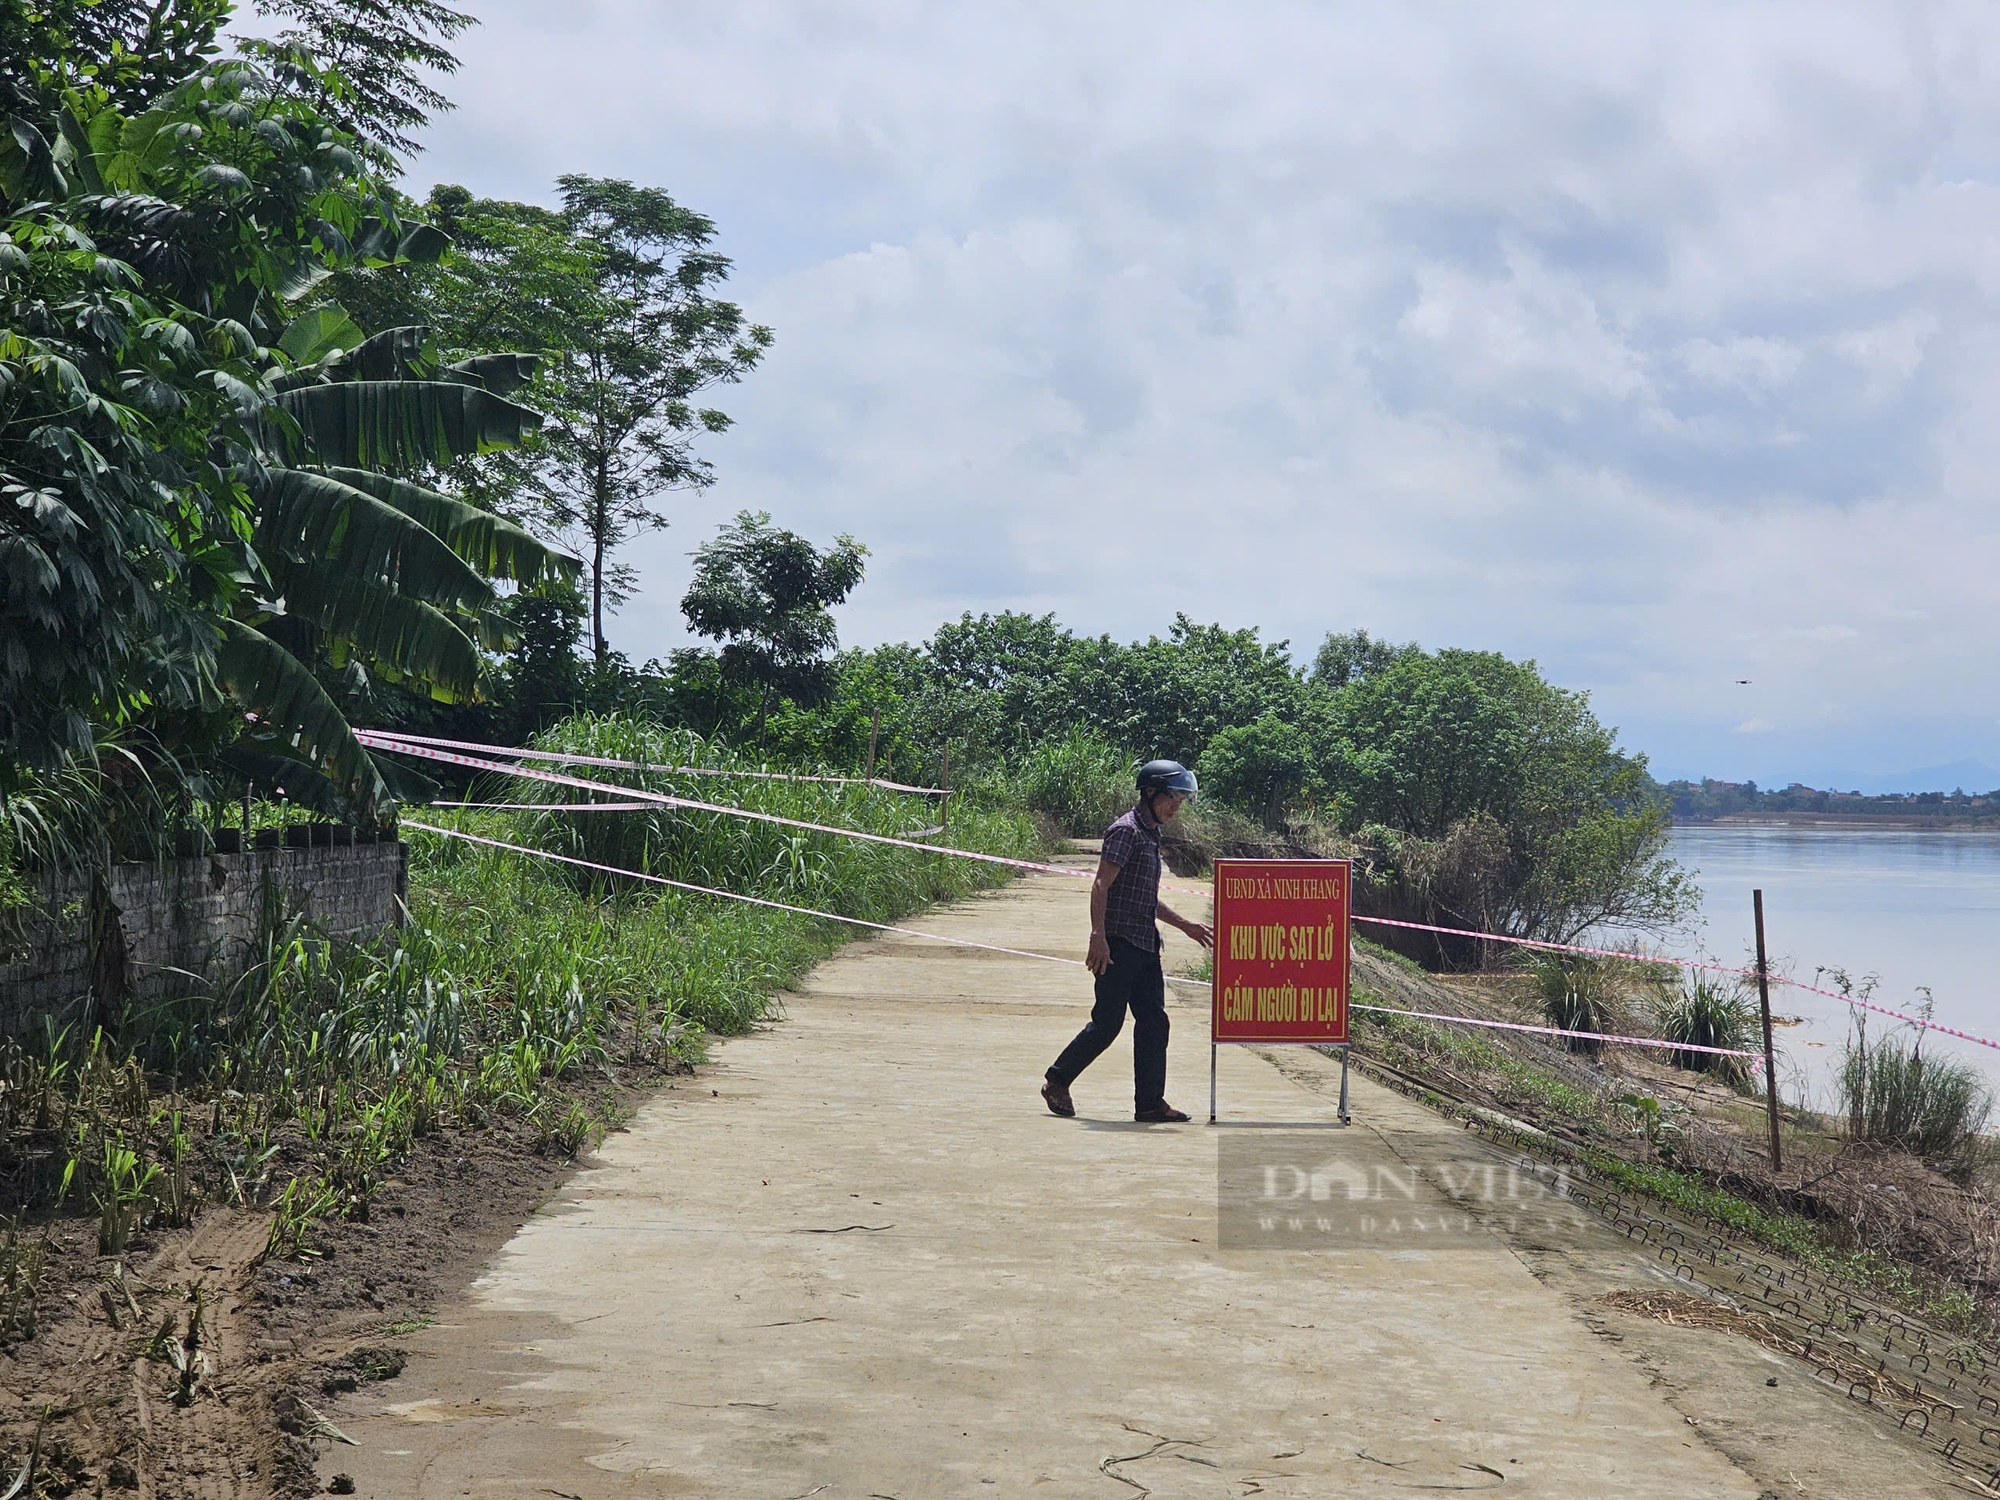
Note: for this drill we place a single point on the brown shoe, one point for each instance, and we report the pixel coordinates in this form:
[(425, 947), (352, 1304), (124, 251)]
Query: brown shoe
[(1057, 1098), (1162, 1113)]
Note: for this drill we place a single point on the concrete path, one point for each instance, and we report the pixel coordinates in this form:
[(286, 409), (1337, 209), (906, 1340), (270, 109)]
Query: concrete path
[(857, 1259)]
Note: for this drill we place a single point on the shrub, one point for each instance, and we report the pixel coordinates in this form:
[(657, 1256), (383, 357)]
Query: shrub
[(1705, 1013), (1931, 1106), (1576, 995), (1079, 782)]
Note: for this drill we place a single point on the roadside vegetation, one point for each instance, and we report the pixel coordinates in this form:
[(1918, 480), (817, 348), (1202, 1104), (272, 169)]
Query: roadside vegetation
[(1889, 1192), (517, 988)]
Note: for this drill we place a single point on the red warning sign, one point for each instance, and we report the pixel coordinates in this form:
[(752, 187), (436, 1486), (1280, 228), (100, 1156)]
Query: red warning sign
[(1281, 950)]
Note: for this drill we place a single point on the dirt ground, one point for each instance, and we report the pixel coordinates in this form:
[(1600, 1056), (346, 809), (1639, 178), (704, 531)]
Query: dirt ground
[(277, 1341), (858, 1259)]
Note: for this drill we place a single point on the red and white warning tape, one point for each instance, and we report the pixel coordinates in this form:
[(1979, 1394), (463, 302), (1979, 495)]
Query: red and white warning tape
[(1756, 1059), (563, 758), (705, 890), (566, 807), (806, 911), (376, 739)]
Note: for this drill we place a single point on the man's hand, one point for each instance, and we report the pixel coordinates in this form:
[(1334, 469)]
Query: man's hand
[(1199, 931), (1098, 957)]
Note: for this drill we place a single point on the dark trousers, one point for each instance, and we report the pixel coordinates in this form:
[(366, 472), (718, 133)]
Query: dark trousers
[(1133, 980)]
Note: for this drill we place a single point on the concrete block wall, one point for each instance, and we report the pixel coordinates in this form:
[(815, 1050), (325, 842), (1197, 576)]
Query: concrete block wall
[(200, 915)]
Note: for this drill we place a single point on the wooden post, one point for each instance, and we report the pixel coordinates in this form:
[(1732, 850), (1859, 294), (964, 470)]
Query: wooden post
[(944, 803), (1770, 1060), (874, 733), (248, 788)]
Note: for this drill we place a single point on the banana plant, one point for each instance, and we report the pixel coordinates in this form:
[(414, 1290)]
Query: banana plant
[(207, 220), (369, 570)]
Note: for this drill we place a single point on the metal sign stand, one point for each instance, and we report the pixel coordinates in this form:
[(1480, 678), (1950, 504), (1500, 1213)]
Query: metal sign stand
[(1346, 1116)]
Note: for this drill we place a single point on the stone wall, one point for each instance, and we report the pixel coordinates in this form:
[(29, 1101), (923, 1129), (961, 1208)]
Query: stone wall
[(200, 915)]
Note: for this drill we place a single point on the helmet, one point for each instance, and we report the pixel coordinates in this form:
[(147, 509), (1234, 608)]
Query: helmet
[(1165, 776)]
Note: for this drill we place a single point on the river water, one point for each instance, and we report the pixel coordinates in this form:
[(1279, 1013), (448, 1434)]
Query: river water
[(1913, 909)]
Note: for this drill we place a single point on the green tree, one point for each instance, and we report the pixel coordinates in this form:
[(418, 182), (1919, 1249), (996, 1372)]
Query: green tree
[(133, 50), (1349, 656), (135, 251), (637, 347), (1498, 801), (1261, 768), (1427, 743), (367, 60), (210, 489), (766, 594), (1177, 694), (544, 676)]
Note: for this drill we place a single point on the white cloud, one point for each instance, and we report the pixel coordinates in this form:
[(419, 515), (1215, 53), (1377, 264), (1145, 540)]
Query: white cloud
[(1658, 345), (1750, 365)]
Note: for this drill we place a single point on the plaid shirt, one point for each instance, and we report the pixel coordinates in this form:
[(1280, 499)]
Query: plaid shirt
[(1132, 904)]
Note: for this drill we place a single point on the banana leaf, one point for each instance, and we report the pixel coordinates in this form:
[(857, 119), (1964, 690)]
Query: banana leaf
[(414, 639), (404, 424), (492, 545), (303, 782), (502, 374), (271, 683), (405, 352), (306, 514), (318, 332), (382, 244)]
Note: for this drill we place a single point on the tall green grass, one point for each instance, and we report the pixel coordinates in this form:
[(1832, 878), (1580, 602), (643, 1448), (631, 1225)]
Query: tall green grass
[(299, 1082), (1079, 783), (1931, 1106), (850, 877)]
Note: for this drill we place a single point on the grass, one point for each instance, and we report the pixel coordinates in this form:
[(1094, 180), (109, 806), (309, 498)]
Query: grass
[(1931, 1106), (1409, 1042), (512, 991), (1080, 783)]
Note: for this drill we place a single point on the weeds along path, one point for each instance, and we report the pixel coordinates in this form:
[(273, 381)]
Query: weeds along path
[(861, 1260)]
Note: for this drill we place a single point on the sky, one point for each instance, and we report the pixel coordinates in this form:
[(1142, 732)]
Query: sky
[(1658, 344)]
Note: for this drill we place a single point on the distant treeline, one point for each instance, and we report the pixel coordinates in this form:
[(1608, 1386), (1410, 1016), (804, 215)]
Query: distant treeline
[(1701, 801)]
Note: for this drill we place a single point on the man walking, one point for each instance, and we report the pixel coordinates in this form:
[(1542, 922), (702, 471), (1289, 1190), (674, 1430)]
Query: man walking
[(1124, 950)]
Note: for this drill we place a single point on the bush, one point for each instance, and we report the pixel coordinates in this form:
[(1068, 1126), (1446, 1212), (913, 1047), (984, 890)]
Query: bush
[(1933, 1107), (1080, 782), (1261, 769), (1705, 1013), (1576, 995)]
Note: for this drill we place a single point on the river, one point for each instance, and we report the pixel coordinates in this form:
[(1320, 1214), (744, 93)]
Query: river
[(1913, 909)]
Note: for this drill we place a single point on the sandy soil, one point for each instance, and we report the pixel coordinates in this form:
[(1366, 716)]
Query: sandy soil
[(859, 1260)]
